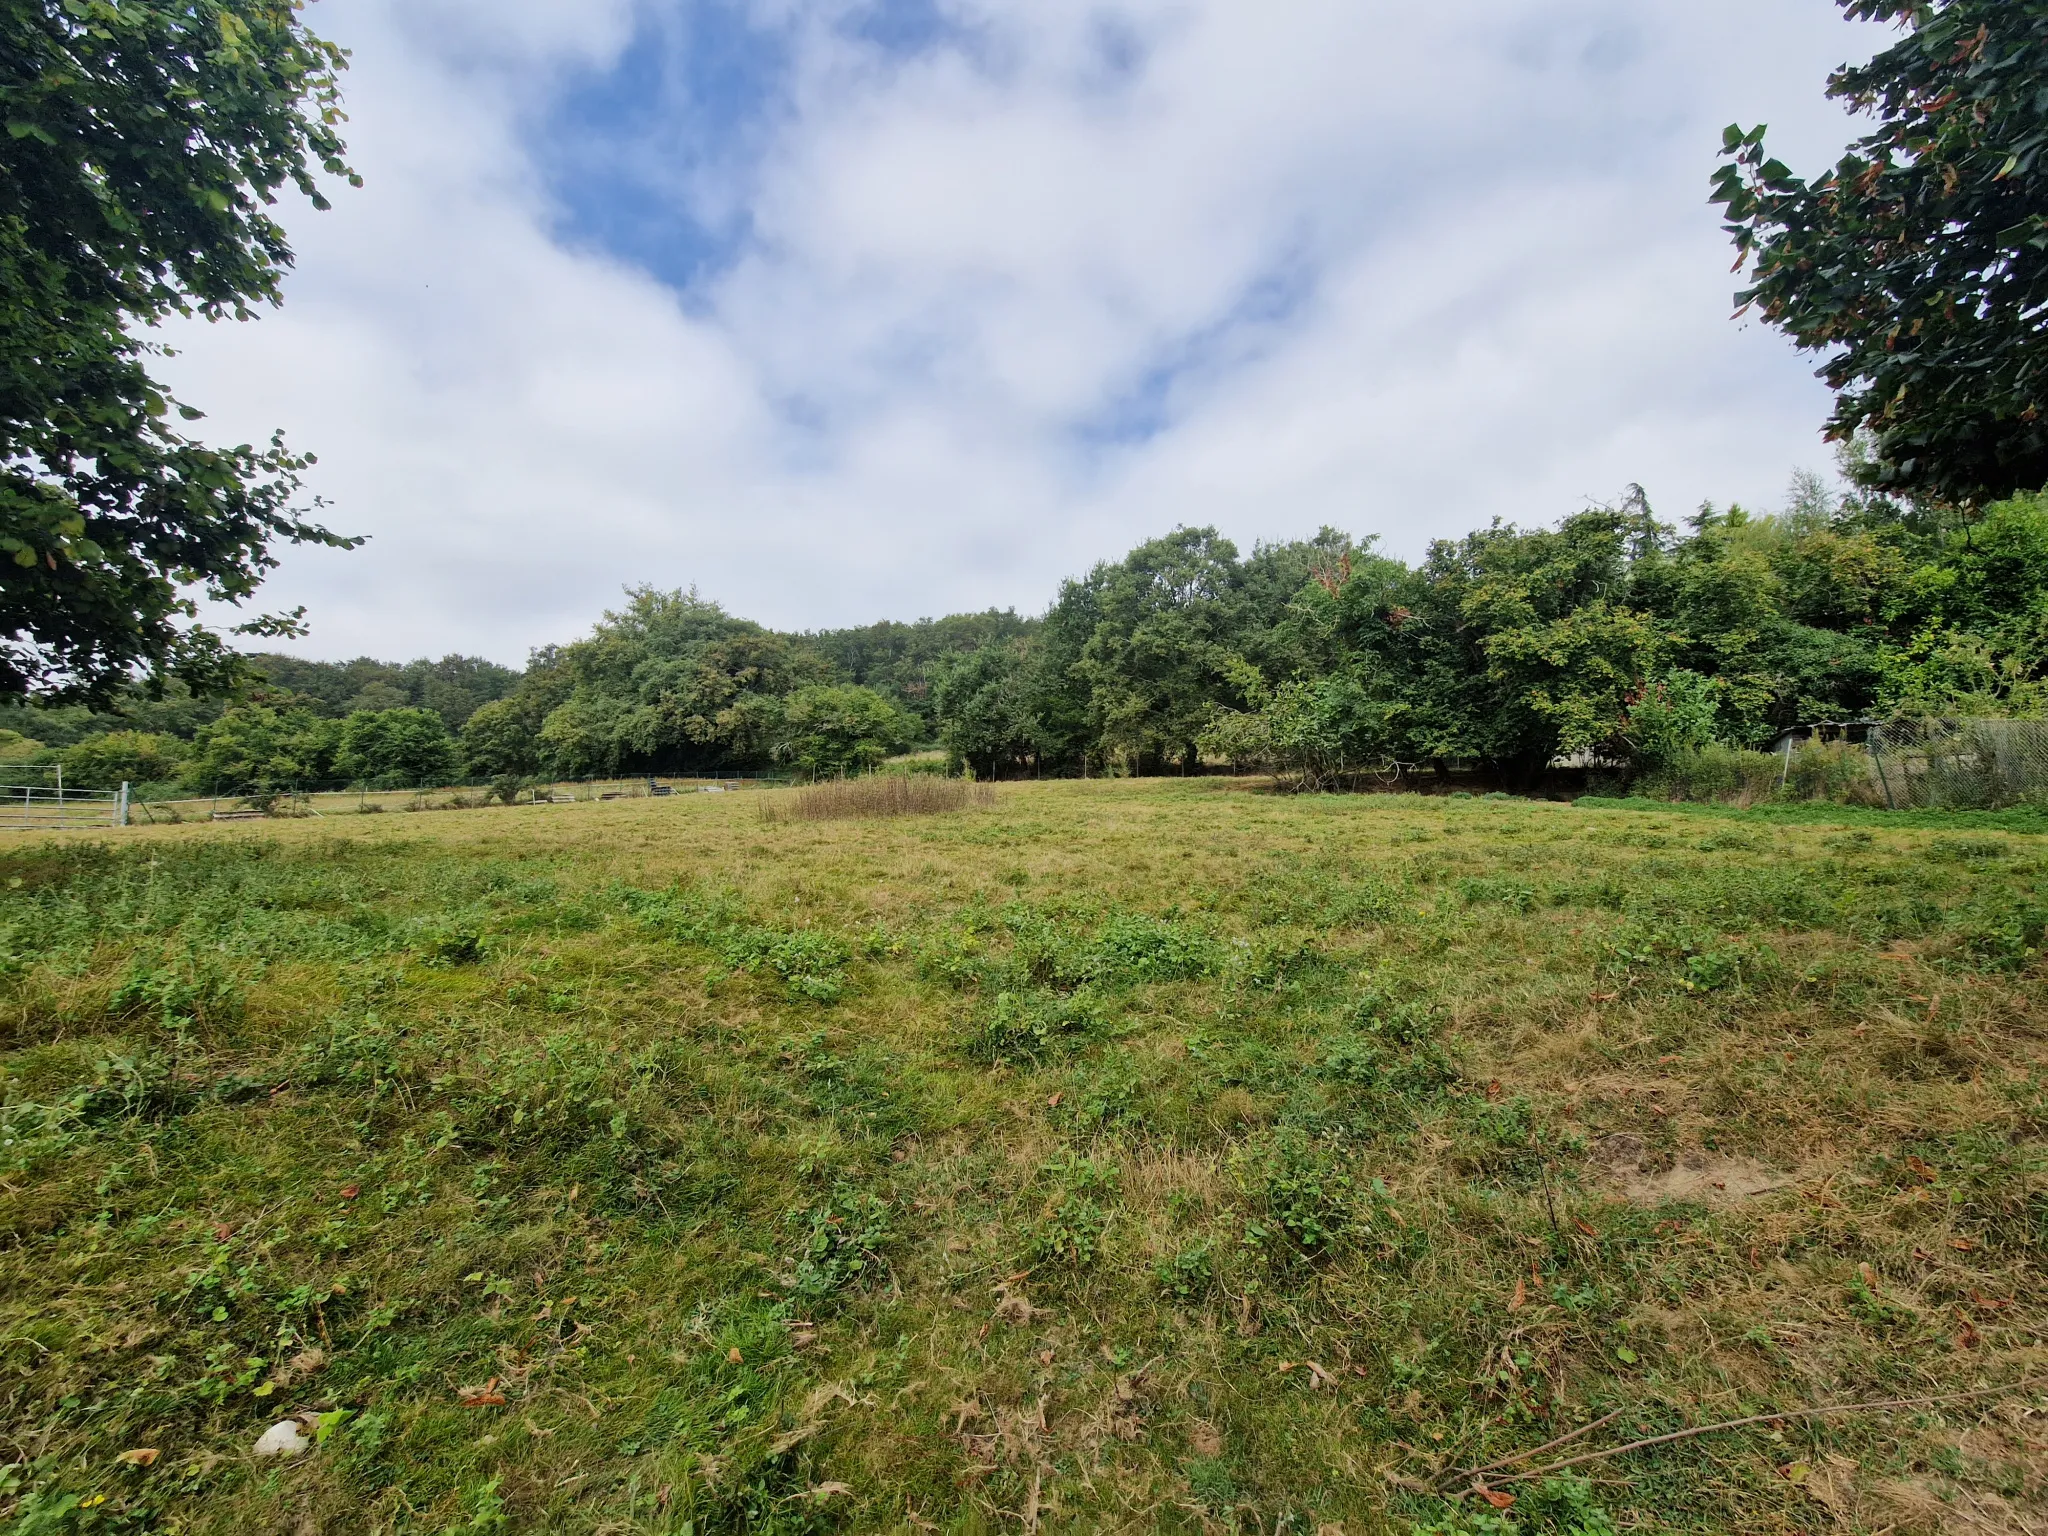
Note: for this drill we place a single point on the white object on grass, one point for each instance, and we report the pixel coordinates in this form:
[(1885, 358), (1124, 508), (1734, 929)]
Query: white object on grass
[(284, 1438)]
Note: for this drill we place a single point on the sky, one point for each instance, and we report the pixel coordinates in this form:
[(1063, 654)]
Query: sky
[(842, 310)]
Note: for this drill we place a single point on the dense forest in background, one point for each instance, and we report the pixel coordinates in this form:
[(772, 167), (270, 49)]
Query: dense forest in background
[(1613, 637)]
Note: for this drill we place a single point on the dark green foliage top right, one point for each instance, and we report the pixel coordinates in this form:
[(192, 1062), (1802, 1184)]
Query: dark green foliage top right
[(1919, 264)]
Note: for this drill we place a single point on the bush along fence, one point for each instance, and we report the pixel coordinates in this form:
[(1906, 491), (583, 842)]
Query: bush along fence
[(1902, 764)]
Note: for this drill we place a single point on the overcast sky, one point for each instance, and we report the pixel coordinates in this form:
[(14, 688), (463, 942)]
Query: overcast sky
[(853, 309)]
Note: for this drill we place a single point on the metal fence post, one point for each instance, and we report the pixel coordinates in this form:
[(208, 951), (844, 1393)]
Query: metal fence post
[(1877, 755), (121, 806)]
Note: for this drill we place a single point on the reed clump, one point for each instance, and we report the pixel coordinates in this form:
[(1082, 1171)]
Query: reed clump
[(887, 794)]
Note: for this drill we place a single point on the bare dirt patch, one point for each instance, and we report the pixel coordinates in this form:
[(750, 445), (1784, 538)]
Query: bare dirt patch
[(1707, 1177)]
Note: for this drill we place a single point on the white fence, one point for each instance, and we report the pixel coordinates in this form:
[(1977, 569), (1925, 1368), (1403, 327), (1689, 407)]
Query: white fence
[(53, 808)]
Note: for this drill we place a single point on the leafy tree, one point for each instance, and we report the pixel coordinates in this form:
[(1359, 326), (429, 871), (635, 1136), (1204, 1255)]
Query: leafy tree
[(1919, 264), (454, 687), (1507, 647), (581, 738), (499, 741), (134, 757), (1671, 718), (988, 711), (903, 661), (256, 749), (841, 728), (396, 748), (669, 681), (144, 143), (1168, 620), (1313, 730)]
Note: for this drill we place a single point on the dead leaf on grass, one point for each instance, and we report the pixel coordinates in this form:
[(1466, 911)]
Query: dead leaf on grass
[(141, 1456)]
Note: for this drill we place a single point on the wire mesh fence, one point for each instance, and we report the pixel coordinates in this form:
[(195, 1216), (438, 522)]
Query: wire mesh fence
[(1983, 765)]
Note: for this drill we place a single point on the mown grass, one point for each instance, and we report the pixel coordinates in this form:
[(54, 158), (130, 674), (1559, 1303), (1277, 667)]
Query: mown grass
[(1124, 1157), (2024, 818)]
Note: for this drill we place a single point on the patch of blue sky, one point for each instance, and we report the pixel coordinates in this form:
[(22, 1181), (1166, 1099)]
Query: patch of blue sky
[(903, 27), (1255, 320), (652, 158)]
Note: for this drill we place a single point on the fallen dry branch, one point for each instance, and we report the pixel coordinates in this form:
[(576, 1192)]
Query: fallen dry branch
[(1548, 1445), (1713, 1429)]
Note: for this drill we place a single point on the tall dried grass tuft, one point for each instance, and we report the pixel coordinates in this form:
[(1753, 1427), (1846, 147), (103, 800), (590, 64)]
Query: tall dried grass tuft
[(888, 794)]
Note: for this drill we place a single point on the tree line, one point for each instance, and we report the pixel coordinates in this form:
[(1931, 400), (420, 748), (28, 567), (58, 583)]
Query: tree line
[(1614, 636)]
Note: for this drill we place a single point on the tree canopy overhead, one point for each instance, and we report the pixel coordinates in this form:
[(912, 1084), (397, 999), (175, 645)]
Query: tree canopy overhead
[(1919, 264), (143, 144)]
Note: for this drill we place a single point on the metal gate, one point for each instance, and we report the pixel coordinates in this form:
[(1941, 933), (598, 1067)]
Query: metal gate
[(53, 808)]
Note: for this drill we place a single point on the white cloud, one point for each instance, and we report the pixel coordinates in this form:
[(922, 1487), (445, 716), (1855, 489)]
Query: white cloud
[(1007, 307)]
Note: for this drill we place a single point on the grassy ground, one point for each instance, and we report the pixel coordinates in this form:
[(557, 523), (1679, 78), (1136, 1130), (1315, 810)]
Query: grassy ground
[(377, 802), (1126, 1157)]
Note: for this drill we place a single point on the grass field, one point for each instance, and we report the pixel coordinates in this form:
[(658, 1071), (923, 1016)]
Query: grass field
[(1158, 1156), (355, 802)]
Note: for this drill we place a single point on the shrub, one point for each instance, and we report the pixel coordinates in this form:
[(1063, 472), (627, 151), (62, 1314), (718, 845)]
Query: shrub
[(1717, 773), (1071, 1227), (1069, 1232), (810, 965), (1695, 959), (1515, 895), (134, 757), (1132, 947), (1836, 771), (841, 728), (1301, 1187)]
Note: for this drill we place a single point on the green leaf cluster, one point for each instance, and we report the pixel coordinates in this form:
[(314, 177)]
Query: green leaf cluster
[(1918, 265), (145, 145)]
